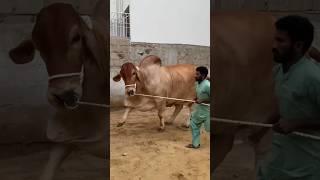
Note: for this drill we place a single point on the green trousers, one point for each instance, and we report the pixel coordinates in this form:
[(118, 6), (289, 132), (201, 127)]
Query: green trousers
[(196, 120)]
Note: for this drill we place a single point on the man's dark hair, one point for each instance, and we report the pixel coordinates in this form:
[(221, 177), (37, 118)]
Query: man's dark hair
[(203, 70), (298, 28)]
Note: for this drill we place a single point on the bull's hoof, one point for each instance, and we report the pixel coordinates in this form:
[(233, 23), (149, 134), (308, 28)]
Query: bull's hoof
[(185, 126), (120, 124), (160, 129)]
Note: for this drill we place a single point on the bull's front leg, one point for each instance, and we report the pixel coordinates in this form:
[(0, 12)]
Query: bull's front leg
[(57, 154), (124, 117), (161, 105)]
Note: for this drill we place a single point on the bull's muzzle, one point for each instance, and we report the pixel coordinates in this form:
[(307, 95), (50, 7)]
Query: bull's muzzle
[(131, 89), (131, 92), (70, 99)]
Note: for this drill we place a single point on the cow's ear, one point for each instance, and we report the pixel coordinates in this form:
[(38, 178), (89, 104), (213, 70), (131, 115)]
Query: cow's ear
[(23, 53), (117, 78), (138, 72), (95, 48), (90, 43)]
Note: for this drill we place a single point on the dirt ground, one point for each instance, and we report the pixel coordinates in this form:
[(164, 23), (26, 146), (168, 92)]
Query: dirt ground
[(25, 162), (238, 165), (140, 152)]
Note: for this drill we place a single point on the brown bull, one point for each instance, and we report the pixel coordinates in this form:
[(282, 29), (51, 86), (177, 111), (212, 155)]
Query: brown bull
[(76, 60), (151, 78), (243, 84)]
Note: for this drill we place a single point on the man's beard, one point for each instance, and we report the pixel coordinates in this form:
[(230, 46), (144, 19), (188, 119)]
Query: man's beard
[(199, 79), (277, 57), (282, 58)]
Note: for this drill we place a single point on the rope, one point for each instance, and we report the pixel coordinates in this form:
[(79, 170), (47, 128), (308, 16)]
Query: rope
[(93, 104), (68, 75), (63, 75), (176, 99), (262, 125)]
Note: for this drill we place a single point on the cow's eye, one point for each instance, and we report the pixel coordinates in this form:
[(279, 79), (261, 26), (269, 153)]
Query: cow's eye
[(76, 38), (134, 73)]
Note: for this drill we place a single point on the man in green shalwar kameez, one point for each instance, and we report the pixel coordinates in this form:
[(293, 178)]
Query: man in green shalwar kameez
[(297, 88), (201, 113)]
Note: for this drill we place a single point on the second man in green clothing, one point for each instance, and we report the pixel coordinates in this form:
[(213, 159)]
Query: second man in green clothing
[(297, 87), (201, 113)]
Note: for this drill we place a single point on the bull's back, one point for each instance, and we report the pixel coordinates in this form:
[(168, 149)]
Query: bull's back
[(242, 60), (182, 83)]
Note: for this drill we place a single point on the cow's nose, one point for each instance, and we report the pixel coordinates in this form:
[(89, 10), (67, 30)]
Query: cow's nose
[(70, 99)]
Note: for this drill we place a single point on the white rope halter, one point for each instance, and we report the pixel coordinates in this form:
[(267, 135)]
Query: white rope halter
[(56, 76), (63, 75), (130, 85), (80, 74)]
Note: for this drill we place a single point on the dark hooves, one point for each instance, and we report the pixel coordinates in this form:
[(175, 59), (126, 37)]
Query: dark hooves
[(120, 124)]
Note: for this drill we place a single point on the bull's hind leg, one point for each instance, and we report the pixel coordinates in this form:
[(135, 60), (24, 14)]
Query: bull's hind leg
[(177, 110), (124, 117), (187, 122), (57, 154)]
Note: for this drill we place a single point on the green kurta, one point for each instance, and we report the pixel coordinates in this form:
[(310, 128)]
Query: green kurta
[(293, 157), (201, 113)]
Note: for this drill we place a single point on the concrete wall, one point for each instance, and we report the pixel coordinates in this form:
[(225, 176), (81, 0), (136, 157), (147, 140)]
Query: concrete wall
[(23, 106), (122, 50), (119, 54)]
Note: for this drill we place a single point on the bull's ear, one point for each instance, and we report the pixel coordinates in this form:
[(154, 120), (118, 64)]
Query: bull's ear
[(95, 48), (23, 53), (90, 43), (117, 78), (138, 73)]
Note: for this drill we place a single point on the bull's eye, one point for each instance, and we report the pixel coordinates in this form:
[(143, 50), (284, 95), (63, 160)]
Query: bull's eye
[(134, 73), (76, 39)]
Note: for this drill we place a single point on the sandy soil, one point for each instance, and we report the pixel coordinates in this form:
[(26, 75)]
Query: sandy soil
[(140, 152), (238, 165), (25, 162)]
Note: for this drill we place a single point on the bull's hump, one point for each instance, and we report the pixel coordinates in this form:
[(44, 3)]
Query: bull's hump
[(150, 60), (59, 10)]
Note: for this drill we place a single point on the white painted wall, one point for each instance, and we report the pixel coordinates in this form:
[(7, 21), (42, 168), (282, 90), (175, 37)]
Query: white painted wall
[(118, 5), (170, 21)]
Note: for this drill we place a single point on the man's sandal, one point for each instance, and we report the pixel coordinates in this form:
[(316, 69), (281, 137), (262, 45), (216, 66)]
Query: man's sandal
[(192, 146)]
